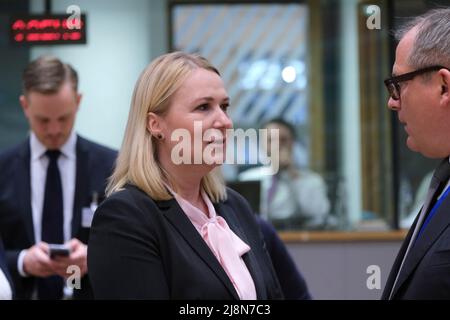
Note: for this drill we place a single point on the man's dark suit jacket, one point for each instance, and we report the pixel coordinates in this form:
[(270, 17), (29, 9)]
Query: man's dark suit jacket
[(94, 165), (145, 249), (426, 272)]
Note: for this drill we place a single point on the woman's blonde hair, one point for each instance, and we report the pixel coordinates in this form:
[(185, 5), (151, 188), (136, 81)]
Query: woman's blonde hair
[(137, 162)]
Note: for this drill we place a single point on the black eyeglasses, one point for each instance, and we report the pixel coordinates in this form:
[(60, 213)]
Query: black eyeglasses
[(392, 84)]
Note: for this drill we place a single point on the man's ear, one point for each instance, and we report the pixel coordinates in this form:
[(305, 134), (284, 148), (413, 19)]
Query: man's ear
[(154, 124), (78, 98), (24, 103), (445, 83)]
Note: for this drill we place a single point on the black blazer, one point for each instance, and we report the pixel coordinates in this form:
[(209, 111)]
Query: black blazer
[(94, 165), (145, 249), (426, 272)]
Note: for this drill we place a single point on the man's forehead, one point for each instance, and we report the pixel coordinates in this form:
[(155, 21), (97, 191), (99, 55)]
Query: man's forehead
[(403, 51), (396, 69), (47, 114)]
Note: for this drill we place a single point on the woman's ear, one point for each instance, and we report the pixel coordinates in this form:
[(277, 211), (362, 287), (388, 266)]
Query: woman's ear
[(154, 124)]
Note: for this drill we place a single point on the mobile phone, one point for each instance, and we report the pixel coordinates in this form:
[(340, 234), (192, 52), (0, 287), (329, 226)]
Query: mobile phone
[(58, 250)]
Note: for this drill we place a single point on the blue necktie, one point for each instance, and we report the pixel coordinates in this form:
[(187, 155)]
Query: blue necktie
[(51, 288)]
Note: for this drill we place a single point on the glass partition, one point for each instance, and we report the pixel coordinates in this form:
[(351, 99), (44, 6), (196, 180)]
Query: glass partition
[(318, 67)]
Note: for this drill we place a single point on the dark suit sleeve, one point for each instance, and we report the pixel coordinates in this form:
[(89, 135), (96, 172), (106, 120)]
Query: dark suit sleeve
[(12, 257), (123, 256), (291, 280)]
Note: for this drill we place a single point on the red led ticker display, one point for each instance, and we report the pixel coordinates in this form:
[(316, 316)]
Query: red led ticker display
[(48, 29)]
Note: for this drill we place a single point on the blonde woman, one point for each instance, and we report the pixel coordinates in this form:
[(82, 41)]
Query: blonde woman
[(169, 228)]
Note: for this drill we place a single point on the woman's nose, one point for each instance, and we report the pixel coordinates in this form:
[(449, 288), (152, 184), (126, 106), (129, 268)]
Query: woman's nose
[(223, 120)]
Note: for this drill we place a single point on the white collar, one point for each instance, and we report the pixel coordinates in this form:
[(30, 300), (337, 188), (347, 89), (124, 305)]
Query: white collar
[(68, 149)]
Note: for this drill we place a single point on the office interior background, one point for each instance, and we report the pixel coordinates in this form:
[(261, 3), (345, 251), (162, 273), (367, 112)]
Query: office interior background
[(317, 64)]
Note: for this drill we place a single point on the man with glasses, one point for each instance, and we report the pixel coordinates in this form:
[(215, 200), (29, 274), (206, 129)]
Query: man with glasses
[(419, 92)]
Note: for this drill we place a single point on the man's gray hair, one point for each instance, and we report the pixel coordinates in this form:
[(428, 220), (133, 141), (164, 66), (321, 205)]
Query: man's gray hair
[(432, 43)]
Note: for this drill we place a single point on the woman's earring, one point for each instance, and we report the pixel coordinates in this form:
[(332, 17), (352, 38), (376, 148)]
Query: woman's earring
[(159, 136)]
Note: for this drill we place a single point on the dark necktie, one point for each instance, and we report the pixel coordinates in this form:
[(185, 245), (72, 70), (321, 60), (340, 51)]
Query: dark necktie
[(439, 181), (52, 224)]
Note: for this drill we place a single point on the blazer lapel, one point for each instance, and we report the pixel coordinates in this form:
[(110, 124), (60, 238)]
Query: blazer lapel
[(181, 222), (81, 184), (23, 187), (433, 230), (412, 234), (249, 258), (430, 234), (397, 263)]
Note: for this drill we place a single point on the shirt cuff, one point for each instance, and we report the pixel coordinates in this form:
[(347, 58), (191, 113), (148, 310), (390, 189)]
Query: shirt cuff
[(20, 263)]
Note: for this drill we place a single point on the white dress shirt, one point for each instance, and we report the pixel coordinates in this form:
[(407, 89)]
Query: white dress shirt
[(5, 288), (67, 168), (305, 194)]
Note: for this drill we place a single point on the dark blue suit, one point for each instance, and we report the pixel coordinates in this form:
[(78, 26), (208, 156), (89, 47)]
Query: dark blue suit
[(94, 165), (426, 271)]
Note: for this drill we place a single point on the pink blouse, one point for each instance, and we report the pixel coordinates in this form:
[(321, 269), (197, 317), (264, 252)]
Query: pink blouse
[(224, 243)]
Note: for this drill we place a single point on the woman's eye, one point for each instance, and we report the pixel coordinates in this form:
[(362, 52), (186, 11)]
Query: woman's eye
[(202, 107), (225, 107)]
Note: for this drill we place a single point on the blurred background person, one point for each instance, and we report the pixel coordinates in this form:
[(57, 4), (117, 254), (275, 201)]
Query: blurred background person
[(169, 229), (49, 185), (291, 280), (292, 197), (419, 198)]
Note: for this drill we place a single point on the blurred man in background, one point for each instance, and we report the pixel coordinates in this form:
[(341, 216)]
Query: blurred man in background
[(49, 186)]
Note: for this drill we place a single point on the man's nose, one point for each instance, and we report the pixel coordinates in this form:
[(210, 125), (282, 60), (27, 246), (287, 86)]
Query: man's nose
[(54, 128), (393, 104)]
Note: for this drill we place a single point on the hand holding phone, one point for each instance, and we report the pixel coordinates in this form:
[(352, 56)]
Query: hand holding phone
[(58, 250)]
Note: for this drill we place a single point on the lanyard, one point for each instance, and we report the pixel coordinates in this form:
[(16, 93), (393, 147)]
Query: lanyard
[(432, 213)]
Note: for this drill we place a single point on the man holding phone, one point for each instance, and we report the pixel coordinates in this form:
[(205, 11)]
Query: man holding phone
[(47, 186)]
